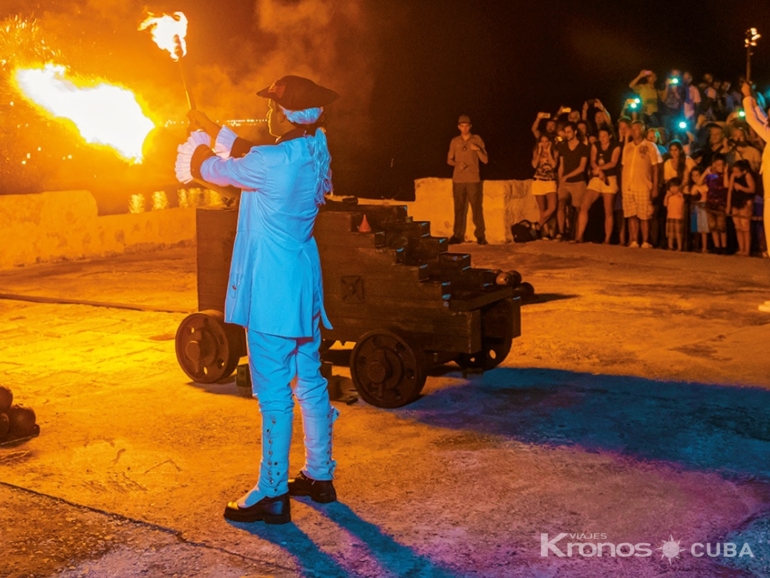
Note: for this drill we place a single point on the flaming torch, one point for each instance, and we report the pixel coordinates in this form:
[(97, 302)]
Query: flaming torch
[(168, 32)]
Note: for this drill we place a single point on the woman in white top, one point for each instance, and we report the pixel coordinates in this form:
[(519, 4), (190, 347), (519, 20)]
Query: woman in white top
[(679, 165)]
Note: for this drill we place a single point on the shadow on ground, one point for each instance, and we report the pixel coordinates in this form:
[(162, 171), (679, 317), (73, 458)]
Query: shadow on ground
[(541, 298), (695, 425), (391, 557)]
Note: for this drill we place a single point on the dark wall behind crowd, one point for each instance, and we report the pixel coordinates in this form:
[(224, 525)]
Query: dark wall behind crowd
[(502, 62)]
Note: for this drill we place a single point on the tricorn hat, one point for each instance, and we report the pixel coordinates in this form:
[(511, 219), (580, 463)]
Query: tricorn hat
[(297, 93)]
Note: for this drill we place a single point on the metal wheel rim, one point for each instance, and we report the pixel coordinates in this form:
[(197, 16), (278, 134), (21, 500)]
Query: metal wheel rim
[(386, 370), (203, 347)]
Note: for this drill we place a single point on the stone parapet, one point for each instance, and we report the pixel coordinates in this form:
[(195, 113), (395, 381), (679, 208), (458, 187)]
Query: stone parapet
[(505, 203), (65, 225)]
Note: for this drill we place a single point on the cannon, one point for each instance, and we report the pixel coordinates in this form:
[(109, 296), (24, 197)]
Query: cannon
[(390, 287)]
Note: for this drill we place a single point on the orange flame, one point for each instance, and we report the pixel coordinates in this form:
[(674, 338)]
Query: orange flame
[(104, 114), (168, 32)]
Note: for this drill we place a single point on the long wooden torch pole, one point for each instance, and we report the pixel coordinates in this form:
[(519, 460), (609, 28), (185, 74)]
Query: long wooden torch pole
[(190, 99)]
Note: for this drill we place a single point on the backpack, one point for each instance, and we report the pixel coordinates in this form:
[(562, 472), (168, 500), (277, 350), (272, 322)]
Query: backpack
[(523, 232)]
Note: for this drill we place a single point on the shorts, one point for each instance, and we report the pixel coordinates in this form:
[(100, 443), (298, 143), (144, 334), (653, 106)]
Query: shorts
[(742, 217), (699, 222), (717, 221), (540, 188), (608, 188), (575, 191), (637, 204), (674, 228)]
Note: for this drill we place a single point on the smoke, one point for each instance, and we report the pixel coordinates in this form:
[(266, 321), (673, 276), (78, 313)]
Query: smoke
[(329, 41), (230, 57)]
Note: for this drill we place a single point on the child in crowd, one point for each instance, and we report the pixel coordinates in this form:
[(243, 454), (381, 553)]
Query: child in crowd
[(740, 197), (717, 181), (674, 203), (699, 220)]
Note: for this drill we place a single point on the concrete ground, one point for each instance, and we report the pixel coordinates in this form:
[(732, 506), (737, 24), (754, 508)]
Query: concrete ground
[(633, 409)]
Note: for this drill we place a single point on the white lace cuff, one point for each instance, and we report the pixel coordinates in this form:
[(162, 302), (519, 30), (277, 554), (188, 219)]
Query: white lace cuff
[(185, 153), (224, 142)]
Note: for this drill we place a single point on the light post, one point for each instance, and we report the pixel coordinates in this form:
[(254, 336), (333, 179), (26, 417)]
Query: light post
[(750, 41)]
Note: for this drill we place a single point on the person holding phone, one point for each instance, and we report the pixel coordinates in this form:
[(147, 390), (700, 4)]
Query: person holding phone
[(550, 125), (672, 97), (544, 160), (644, 86), (692, 98), (465, 152)]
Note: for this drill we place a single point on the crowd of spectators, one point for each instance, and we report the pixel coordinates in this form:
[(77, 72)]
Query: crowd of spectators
[(678, 169)]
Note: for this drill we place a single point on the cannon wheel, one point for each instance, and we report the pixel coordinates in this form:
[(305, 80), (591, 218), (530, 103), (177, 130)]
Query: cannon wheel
[(496, 338), (386, 370), (207, 348)]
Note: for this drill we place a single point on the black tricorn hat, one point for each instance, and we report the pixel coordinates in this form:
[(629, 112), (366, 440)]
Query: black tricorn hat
[(297, 93)]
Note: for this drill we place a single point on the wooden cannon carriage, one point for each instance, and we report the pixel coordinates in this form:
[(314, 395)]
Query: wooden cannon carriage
[(389, 287)]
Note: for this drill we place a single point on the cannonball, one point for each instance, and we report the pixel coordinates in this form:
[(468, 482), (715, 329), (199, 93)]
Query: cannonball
[(5, 424), (509, 278), (6, 399), (525, 291), (22, 421), (514, 278)]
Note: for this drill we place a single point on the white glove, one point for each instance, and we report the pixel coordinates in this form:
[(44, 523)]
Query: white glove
[(186, 150)]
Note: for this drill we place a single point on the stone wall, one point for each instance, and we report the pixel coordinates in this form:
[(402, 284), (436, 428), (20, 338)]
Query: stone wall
[(505, 203), (65, 225)]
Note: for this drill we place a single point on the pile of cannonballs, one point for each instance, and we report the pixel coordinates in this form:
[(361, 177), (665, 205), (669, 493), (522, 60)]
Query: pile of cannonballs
[(16, 422)]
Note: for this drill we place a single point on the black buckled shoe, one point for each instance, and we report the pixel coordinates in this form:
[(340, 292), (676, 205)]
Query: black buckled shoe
[(319, 491), (454, 240), (272, 510)]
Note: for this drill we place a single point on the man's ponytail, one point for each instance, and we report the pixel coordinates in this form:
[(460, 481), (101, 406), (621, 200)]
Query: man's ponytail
[(319, 149)]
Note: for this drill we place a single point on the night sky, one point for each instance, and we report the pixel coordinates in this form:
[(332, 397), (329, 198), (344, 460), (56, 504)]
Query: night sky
[(407, 69)]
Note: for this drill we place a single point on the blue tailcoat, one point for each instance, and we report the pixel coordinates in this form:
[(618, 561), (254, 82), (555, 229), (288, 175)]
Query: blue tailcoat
[(275, 277)]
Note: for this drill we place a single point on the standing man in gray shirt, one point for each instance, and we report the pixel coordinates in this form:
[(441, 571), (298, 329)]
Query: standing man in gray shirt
[(465, 152)]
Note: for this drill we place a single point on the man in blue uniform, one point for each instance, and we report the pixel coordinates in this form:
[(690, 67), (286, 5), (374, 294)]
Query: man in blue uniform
[(275, 289)]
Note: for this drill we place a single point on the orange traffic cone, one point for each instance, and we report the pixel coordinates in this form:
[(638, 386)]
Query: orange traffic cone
[(364, 226)]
